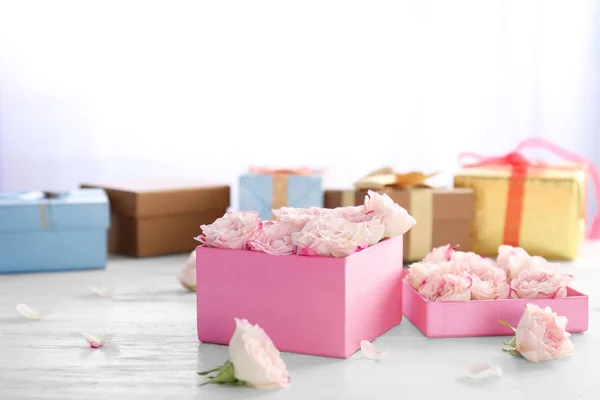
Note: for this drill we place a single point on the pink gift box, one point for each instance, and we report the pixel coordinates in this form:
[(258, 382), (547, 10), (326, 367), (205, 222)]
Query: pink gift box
[(442, 319), (309, 305)]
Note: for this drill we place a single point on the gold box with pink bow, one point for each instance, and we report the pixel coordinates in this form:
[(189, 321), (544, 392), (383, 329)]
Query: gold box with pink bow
[(443, 215), (265, 189), (532, 204)]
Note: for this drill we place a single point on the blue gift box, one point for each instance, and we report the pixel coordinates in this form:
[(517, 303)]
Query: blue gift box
[(43, 232), (265, 192)]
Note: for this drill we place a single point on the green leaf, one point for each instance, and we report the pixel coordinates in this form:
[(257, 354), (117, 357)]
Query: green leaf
[(210, 371), (507, 325), (512, 343), (226, 374), (511, 351)]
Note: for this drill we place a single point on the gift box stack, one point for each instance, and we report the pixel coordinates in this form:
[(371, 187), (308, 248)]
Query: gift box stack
[(333, 258)]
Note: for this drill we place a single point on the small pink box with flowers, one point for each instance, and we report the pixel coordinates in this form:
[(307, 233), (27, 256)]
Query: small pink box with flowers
[(457, 294), (318, 281)]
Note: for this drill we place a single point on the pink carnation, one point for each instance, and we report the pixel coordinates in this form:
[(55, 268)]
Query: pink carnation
[(489, 289), (447, 287), (489, 280), (440, 254), (540, 281), (473, 263), (421, 272), (299, 216), (231, 231), (335, 237), (275, 238), (360, 214), (542, 335), (514, 259), (396, 220)]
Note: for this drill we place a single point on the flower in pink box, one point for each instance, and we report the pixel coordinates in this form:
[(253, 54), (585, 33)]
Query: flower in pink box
[(540, 281), (311, 231), (440, 254), (489, 280), (331, 237), (447, 287), (397, 220), (513, 260), (275, 238), (231, 231), (421, 272)]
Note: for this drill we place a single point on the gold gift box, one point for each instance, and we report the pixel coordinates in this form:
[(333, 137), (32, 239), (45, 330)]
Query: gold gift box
[(552, 209)]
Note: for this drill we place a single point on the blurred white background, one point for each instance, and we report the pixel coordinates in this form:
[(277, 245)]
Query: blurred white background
[(125, 89)]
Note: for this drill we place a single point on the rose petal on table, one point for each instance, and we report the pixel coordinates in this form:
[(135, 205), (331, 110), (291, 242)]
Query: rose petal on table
[(482, 371), (96, 341), (103, 291), (369, 350), (29, 312)]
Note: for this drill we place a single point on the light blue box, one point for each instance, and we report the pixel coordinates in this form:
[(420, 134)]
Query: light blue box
[(44, 232), (256, 191)]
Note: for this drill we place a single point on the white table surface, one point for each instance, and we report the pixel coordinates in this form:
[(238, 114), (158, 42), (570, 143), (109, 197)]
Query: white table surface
[(155, 353)]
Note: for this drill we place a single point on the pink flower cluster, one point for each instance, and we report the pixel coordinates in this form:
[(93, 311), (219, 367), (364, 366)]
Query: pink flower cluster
[(449, 275), (314, 231)]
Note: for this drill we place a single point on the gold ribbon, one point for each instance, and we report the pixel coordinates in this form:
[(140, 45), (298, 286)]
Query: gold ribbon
[(279, 194), (421, 234), (387, 177), (348, 198)]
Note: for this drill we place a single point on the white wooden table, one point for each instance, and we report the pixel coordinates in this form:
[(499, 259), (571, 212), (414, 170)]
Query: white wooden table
[(155, 353)]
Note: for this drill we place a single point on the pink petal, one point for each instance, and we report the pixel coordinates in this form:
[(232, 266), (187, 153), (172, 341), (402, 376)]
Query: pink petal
[(370, 351), (482, 371), (29, 312), (96, 341), (103, 291)]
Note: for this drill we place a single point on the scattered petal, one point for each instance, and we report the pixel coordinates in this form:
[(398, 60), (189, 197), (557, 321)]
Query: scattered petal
[(96, 341), (103, 291), (370, 351), (30, 313), (482, 371)]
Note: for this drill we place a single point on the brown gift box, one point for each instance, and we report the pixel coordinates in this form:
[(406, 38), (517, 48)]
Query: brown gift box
[(443, 215), (151, 218)]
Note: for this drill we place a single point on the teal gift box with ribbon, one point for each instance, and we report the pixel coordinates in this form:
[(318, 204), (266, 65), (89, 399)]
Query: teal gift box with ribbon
[(46, 231)]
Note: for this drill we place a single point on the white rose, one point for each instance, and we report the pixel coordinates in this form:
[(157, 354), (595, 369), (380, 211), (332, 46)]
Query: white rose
[(255, 359)]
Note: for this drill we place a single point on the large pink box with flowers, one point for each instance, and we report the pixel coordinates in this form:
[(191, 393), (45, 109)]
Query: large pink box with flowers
[(312, 305), (446, 319)]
